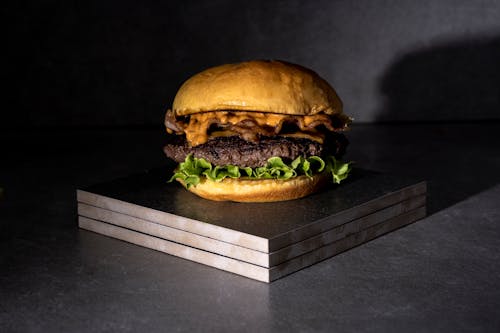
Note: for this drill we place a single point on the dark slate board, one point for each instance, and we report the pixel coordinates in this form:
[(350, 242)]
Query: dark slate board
[(267, 220)]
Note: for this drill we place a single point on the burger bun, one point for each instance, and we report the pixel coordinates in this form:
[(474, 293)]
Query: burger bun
[(259, 85), (259, 190)]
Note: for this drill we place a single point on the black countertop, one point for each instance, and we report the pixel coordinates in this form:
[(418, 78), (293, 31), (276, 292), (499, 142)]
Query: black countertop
[(439, 274)]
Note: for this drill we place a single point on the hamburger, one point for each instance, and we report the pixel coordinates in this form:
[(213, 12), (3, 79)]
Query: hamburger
[(256, 131)]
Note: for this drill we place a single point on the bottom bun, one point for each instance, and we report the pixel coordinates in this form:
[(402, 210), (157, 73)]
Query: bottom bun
[(260, 190)]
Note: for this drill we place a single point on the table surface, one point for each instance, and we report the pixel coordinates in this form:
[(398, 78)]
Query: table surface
[(439, 274)]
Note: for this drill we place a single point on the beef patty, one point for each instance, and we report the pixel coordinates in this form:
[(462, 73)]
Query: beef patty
[(237, 151)]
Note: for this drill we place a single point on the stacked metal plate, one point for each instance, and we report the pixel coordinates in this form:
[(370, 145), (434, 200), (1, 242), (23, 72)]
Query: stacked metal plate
[(262, 241)]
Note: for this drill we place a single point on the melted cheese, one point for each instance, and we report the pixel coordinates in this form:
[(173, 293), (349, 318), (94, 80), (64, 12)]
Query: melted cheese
[(197, 129)]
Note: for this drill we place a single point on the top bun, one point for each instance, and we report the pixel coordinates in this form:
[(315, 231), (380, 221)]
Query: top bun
[(263, 86)]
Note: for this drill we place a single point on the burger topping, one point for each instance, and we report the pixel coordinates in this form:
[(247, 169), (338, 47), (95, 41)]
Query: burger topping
[(251, 126)]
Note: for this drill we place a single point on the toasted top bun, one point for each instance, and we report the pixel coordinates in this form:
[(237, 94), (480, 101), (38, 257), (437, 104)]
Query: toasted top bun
[(264, 86), (259, 190)]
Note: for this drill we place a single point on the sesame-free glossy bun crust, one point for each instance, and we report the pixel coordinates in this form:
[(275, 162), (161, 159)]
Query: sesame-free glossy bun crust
[(264, 86), (261, 190)]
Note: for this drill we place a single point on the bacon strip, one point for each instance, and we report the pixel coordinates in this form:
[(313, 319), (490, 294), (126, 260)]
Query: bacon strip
[(249, 125)]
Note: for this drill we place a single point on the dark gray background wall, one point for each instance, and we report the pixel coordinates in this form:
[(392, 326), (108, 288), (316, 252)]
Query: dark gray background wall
[(119, 63)]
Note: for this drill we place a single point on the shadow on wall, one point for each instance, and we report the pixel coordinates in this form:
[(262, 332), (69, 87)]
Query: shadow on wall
[(452, 85), (458, 81)]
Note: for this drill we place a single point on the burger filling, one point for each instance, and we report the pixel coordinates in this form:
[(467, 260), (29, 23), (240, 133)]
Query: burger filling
[(255, 145), (200, 127)]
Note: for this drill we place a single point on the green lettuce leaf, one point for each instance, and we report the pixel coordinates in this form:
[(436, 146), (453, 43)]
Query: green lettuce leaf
[(192, 169), (339, 170)]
